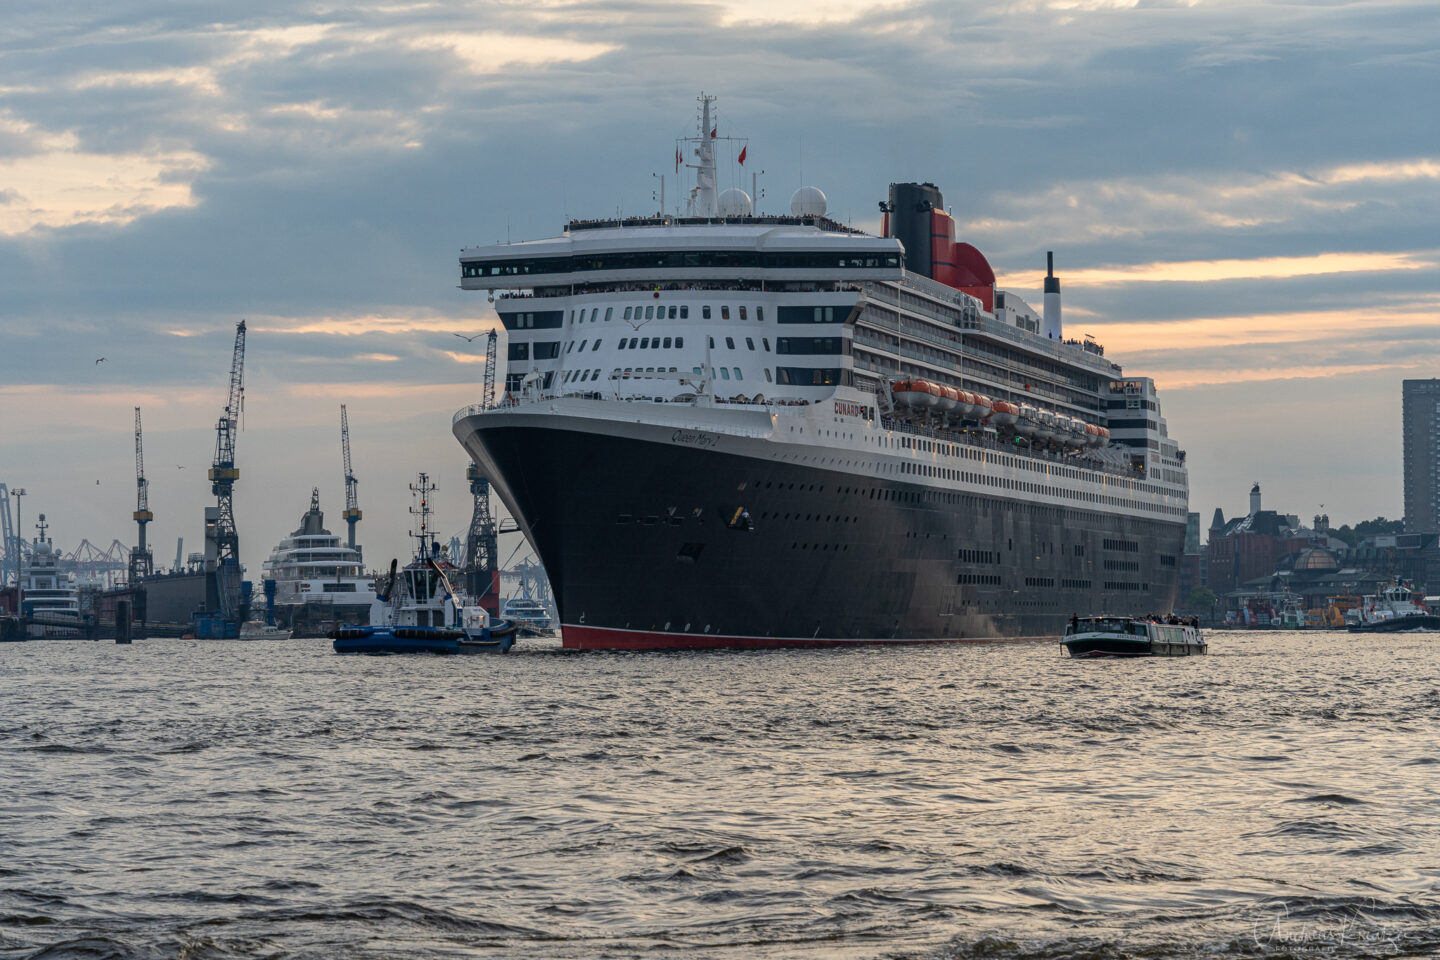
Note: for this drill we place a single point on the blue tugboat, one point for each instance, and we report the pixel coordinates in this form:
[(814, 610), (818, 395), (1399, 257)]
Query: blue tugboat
[(418, 611)]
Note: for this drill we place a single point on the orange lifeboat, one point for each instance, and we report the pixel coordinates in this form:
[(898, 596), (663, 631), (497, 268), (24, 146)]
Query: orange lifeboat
[(1003, 413), (949, 398), (970, 406), (1092, 435), (916, 394)]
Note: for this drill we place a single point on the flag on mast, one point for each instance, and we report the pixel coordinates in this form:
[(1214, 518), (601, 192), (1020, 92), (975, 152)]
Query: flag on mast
[(714, 130), (677, 159), (742, 154)]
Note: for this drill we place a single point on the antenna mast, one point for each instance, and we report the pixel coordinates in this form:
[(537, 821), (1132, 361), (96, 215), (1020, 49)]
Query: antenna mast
[(352, 498), (422, 489)]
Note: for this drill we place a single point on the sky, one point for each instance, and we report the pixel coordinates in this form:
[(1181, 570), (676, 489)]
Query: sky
[(1242, 197)]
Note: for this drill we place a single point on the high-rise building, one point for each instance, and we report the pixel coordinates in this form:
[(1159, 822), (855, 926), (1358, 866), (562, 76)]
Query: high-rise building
[(1421, 425)]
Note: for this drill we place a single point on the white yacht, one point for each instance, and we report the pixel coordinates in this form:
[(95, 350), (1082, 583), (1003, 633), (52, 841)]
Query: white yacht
[(47, 592), (312, 565)]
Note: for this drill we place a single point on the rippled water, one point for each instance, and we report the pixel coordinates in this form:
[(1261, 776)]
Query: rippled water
[(1280, 797)]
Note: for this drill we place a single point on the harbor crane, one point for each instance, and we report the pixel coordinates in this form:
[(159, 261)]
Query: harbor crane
[(13, 545), (488, 397), (482, 565), (142, 562), (222, 583), (482, 561), (352, 500)]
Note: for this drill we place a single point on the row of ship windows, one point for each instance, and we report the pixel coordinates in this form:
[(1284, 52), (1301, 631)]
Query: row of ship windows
[(979, 505), (1024, 486), (786, 376), (554, 319), (795, 346), (671, 259), (994, 580)]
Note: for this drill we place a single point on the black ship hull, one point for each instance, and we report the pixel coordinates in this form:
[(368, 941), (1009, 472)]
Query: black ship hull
[(669, 541), (1427, 622)]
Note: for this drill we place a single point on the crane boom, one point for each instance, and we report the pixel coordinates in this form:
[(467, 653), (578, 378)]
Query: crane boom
[(142, 564), (223, 586), (488, 399), (352, 498)]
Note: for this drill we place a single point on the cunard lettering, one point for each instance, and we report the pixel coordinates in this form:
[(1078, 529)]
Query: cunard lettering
[(846, 409)]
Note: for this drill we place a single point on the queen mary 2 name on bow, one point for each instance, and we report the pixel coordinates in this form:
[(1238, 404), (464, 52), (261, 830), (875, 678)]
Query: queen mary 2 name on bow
[(694, 438)]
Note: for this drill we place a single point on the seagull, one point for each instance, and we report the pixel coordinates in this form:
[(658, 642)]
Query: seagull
[(179, 467), (100, 361), (470, 339)]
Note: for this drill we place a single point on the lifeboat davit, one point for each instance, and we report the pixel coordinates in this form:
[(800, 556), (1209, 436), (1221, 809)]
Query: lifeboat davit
[(916, 394), (1092, 435), (1104, 435), (1003, 413)]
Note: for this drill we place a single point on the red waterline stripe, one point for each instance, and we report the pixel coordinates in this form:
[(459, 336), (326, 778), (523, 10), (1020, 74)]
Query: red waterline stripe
[(580, 637)]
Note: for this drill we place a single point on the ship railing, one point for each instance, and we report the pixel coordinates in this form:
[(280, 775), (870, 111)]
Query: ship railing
[(989, 441), (735, 401)]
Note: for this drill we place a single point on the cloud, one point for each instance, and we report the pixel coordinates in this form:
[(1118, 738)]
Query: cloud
[(1266, 268), (1233, 190), (491, 53)]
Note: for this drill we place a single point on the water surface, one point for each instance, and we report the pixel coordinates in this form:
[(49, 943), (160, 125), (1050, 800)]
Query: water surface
[(1280, 797)]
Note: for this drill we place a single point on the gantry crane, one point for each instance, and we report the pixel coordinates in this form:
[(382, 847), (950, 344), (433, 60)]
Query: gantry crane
[(222, 584), (142, 563), (352, 499)]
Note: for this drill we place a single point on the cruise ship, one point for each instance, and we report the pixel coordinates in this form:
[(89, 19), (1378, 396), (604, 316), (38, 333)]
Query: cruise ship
[(313, 566), (727, 429), (46, 591)]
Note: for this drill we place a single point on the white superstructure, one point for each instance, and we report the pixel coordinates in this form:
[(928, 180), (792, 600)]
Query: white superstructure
[(46, 591), (312, 565)]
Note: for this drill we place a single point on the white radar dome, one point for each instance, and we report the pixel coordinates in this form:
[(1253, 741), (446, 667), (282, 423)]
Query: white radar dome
[(808, 202), (734, 203)]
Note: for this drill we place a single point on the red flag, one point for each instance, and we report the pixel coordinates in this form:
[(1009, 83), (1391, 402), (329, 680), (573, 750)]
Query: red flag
[(677, 159), (713, 132), (742, 154)]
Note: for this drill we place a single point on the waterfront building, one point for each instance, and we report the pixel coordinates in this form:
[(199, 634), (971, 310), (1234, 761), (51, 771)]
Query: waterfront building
[(1420, 426)]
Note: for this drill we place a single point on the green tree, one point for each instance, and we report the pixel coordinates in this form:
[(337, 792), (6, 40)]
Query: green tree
[(1379, 527), (1200, 598)]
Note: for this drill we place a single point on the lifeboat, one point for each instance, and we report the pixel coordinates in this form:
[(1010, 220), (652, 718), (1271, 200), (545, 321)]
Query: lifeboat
[(1092, 435), (1028, 421), (1074, 433), (1104, 435), (949, 399), (1061, 425), (916, 394), (1003, 413), (1045, 426)]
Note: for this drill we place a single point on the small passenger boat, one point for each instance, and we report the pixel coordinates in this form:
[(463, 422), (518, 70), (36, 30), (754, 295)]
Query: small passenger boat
[(1131, 637)]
